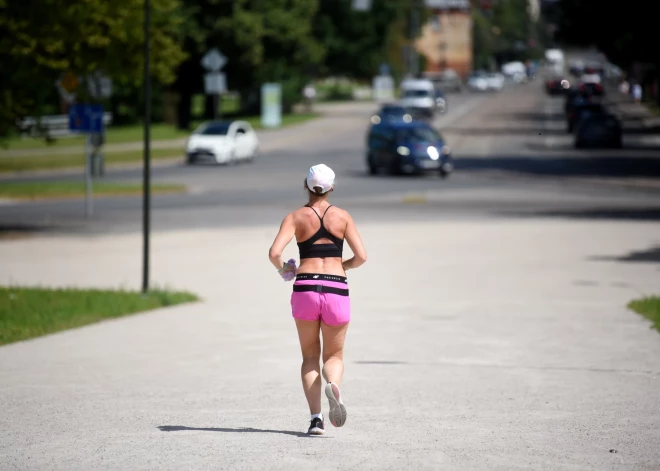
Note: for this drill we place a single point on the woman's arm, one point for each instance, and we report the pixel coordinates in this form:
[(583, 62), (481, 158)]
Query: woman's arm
[(355, 243), (284, 236)]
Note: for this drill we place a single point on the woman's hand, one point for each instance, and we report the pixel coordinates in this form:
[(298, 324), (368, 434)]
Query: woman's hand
[(288, 271)]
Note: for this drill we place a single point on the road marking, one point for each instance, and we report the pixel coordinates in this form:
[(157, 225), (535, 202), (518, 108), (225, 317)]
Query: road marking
[(414, 199)]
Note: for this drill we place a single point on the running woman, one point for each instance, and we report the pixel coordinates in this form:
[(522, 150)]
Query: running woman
[(320, 301)]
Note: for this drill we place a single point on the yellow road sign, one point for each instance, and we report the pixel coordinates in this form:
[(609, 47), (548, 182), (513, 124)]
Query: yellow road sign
[(69, 82)]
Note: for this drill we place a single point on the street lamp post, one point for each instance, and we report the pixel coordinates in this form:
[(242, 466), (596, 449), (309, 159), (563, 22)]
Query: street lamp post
[(146, 189)]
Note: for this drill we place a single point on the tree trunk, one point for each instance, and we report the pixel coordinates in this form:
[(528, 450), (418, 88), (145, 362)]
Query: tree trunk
[(183, 110)]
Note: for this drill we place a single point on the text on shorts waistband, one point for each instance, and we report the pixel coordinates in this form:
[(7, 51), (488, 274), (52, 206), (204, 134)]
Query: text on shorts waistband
[(321, 277)]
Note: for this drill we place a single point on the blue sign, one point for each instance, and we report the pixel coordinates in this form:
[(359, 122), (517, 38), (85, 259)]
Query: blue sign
[(86, 118)]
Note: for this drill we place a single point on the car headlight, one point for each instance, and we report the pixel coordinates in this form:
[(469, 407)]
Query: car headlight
[(403, 150), (433, 153), (445, 150), (375, 119), (407, 118)]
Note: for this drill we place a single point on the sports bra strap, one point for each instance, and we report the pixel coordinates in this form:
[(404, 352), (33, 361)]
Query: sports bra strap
[(317, 214)]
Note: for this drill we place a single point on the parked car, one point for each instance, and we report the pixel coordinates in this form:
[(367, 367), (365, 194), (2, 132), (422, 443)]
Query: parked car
[(557, 86), (581, 111), (478, 82), (592, 88), (448, 80), (392, 112), (495, 81), (576, 97), (482, 82), (599, 130), (415, 147), (222, 142)]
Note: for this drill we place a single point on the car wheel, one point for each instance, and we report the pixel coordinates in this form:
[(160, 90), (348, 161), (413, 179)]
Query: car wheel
[(373, 168), (395, 167), (253, 155)]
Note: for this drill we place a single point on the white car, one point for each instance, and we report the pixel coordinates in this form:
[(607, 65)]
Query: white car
[(478, 82), (222, 142), (495, 81)]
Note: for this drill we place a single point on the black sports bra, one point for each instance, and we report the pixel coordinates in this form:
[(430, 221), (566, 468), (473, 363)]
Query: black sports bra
[(308, 249)]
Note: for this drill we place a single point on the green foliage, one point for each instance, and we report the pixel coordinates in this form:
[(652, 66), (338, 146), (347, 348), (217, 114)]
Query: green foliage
[(31, 312), (648, 307), (39, 42), (483, 44), (354, 39), (625, 33)]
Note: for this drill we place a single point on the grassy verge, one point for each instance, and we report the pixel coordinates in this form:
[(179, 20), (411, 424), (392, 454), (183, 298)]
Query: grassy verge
[(31, 312), (134, 133), (60, 189), (648, 307), (51, 162)]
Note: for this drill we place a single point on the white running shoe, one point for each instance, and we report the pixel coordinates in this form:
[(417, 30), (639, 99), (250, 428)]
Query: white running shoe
[(337, 414)]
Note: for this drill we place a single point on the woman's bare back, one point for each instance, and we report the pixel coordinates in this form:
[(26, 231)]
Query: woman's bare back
[(307, 222)]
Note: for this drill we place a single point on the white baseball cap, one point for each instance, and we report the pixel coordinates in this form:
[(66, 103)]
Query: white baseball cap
[(322, 176)]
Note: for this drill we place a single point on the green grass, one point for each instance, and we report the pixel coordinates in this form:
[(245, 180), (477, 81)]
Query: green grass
[(134, 133), (54, 161), (71, 189), (648, 307), (31, 312)]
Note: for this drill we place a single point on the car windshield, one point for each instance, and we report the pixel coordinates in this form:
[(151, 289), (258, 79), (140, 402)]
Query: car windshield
[(213, 129), (415, 93), (420, 134), (393, 110)]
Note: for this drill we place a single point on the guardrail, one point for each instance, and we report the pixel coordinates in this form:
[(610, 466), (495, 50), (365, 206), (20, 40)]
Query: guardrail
[(52, 126)]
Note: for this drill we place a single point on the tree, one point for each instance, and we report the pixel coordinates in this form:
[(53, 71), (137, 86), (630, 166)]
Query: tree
[(263, 40), (41, 40), (482, 40), (625, 33)]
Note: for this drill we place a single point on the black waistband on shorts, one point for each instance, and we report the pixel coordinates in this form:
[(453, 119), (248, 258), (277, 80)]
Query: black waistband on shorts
[(320, 289), (320, 277)]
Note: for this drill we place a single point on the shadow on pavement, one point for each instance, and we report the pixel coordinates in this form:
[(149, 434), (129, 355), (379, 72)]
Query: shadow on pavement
[(13, 231), (619, 165), (531, 116), (629, 214), (650, 255), (181, 428), (502, 131)]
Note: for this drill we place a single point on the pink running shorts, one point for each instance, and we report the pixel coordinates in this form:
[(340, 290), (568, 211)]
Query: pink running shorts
[(321, 297)]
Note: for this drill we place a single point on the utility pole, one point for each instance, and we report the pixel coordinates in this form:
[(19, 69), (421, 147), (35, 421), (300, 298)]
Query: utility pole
[(146, 188)]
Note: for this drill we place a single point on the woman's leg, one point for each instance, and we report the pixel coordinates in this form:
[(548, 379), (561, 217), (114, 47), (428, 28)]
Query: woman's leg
[(333, 352), (310, 345)]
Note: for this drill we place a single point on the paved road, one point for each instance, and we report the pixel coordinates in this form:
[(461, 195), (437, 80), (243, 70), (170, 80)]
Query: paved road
[(505, 145), (489, 330)]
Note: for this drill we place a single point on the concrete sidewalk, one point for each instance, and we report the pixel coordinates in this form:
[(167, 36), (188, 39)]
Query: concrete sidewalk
[(474, 345)]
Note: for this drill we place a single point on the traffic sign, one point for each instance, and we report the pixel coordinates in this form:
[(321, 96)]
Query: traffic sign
[(362, 5), (69, 82), (213, 60), (86, 118), (67, 85), (99, 85), (215, 83)]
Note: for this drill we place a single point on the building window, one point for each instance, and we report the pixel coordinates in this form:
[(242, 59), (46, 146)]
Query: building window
[(435, 23)]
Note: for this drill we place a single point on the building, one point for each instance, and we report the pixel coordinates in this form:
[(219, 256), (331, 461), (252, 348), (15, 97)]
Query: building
[(446, 39)]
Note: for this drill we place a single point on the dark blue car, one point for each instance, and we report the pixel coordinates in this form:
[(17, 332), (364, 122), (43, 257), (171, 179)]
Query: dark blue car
[(400, 147)]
